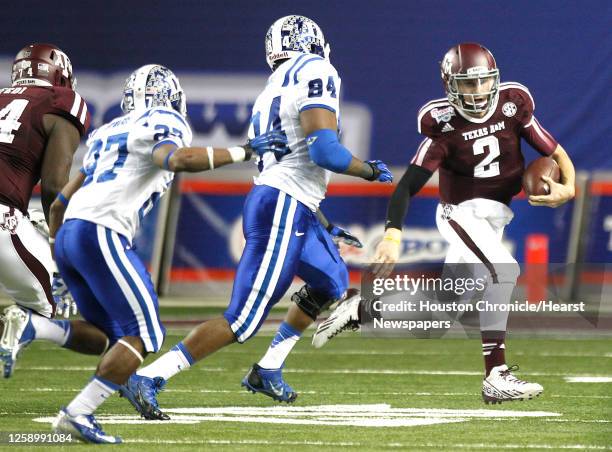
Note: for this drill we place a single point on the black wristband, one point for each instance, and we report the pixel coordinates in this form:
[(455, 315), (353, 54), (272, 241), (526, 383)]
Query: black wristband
[(375, 172), (248, 151)]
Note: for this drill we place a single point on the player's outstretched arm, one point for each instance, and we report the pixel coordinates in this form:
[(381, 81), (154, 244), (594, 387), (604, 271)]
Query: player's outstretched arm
[(387, 251), (320, 129), (562, 192), (338, 234), (58, 206), (322, 218), (65, 304), (194, 159), (62, 141)]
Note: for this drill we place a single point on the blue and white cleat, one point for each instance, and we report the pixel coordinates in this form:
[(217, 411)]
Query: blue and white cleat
[(18, 333), (269, 382), (83, 427), (142, 394)]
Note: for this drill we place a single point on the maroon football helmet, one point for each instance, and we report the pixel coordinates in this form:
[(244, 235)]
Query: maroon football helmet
[(471, 78), (42, 65)]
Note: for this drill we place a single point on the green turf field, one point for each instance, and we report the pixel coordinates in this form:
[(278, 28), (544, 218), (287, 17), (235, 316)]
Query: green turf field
[(351, 394)]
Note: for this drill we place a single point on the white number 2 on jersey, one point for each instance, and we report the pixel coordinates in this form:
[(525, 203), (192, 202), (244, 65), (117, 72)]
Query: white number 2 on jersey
[(479, 146), (9, 119)]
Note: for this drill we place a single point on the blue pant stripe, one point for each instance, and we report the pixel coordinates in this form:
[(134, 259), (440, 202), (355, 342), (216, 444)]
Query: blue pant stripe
[(134, 288), (264, 286)]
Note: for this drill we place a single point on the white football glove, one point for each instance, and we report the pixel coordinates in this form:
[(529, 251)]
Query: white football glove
[(37, 218), (64, 303)]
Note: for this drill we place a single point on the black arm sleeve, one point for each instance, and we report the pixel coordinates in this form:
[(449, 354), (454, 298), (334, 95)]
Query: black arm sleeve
[(409, 185)]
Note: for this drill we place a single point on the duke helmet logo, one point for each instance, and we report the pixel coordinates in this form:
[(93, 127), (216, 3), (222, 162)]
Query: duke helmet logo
[(509, 109)]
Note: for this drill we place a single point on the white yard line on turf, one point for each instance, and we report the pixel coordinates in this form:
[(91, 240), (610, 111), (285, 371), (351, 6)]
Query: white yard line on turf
[(588, 379), (238, 351), (246, 393), (342, 393), (366, 410), (340, 415), (240, 442), (586, 421), (441, 446), (444, 373), (424, 353), (580, 396)]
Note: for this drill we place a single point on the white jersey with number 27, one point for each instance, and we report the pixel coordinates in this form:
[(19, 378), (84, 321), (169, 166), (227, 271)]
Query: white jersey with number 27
[(301, 83), (122, 183)]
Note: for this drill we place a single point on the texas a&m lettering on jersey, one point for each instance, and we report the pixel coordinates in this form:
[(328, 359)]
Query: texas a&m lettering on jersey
[(481, 157), (23, 138)]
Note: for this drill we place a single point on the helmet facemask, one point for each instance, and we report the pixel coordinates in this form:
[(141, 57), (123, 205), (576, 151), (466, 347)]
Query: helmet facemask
[(473, 93)]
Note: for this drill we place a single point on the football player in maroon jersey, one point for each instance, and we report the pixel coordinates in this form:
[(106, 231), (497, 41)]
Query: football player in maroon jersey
[(42, 119), (473, 139)]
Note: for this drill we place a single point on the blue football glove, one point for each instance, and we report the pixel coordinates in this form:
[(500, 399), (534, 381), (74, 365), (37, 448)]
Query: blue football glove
[(64, 303), (340, 235), (273, 141), (380, 171)]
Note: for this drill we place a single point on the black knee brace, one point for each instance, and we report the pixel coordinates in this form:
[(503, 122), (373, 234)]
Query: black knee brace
[(309, 303)]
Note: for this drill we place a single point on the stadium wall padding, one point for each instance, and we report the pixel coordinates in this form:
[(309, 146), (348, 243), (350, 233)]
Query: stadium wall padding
[(387, 52)]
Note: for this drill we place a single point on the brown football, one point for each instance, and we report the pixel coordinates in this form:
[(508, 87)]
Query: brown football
[(532, 177)]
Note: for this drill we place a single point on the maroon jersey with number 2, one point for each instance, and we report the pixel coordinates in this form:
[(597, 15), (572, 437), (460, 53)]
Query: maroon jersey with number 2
[(23, 138), (481, 157)]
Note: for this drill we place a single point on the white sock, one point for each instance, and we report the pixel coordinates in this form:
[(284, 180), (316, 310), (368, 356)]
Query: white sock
[(169, 364), (57, 331), (284, 340), (91, 397)]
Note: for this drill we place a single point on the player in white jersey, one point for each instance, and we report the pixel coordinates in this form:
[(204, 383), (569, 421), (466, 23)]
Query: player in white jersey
[(283, 236), (130, 164)]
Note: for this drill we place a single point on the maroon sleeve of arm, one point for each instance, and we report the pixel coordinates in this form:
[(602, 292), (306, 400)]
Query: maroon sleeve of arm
[(70, 105), (432, 150), (538, 137), (430, 154)]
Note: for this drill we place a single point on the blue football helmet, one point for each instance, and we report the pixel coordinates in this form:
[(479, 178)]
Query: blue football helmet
[(153, 86), (293, 35)]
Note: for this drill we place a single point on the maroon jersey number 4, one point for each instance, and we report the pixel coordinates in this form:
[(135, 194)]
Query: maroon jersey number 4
[(23, 138)]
